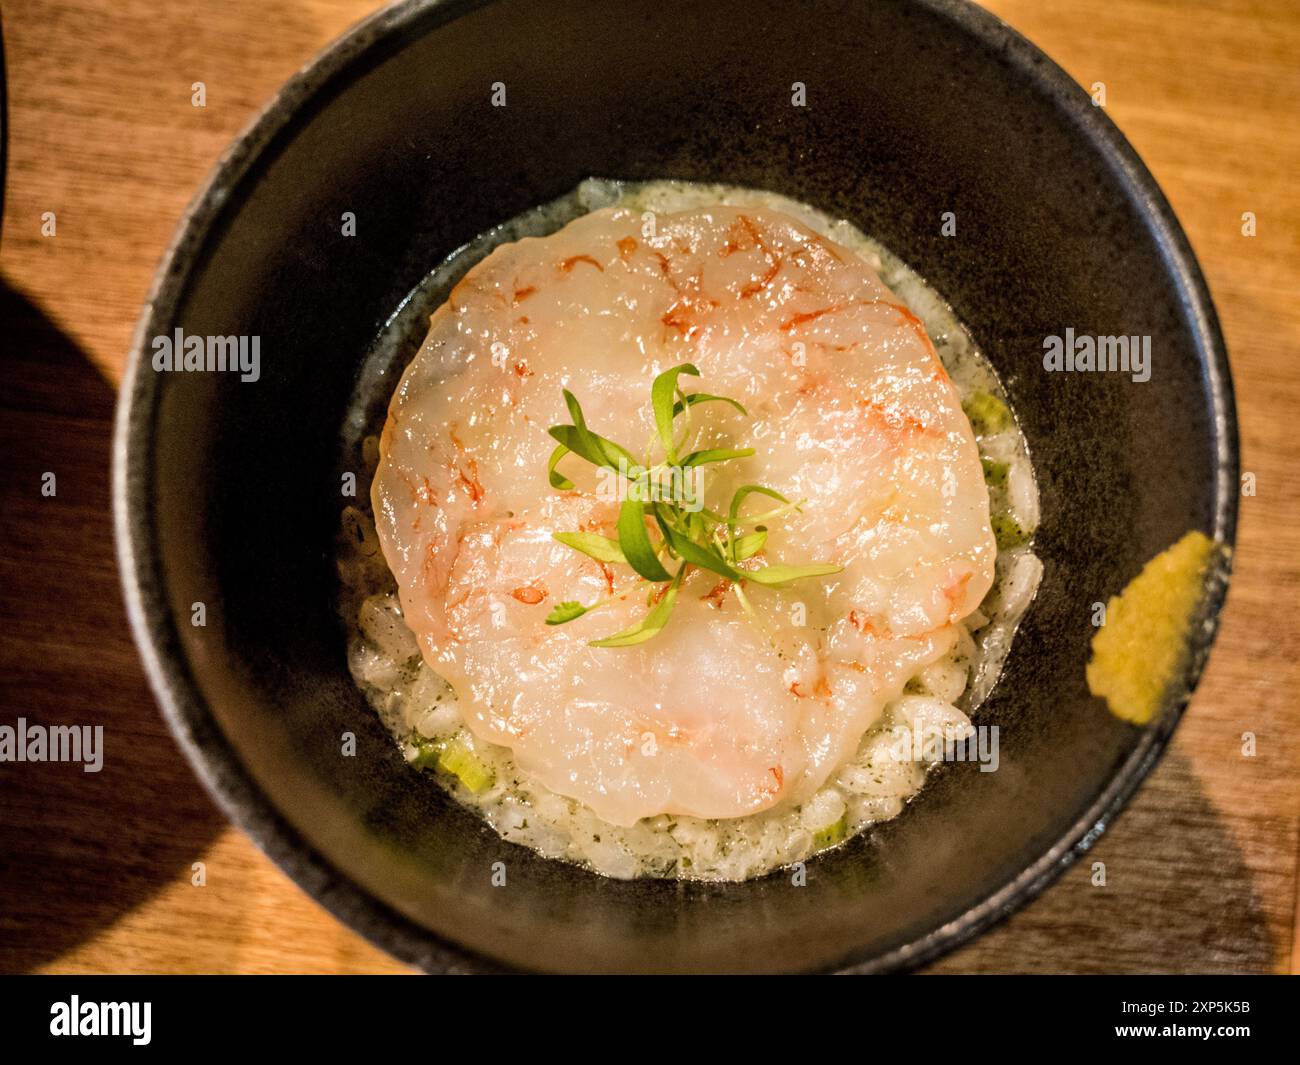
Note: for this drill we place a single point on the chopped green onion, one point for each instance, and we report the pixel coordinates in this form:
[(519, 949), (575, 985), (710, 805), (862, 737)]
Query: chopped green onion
[(462, 763), (454, 757), (831, 834), (427, 752), (995, 473), (987, 413), (1007, 532)]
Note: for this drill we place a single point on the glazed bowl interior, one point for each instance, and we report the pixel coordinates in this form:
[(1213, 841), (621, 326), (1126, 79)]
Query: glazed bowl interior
[(229, 495)]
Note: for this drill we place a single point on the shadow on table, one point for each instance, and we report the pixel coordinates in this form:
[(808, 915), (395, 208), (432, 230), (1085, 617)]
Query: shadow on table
[(1178, 898), (77, 850)]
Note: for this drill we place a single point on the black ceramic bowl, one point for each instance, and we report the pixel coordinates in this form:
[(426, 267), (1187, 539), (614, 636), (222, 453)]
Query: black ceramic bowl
[(227, 492)]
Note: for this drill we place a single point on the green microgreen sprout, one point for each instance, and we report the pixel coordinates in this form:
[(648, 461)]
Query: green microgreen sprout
[(661, 540)]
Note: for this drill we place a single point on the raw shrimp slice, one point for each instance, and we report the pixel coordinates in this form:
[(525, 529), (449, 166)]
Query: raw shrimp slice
[(849, 409)]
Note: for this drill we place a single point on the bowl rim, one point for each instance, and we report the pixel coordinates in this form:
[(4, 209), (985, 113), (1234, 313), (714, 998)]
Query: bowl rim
[(214, 759)]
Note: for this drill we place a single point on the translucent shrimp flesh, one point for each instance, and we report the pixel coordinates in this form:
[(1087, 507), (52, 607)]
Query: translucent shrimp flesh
[(725, 713)]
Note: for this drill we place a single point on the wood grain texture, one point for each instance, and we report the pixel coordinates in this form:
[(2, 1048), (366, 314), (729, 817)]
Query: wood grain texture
[(95, 869)]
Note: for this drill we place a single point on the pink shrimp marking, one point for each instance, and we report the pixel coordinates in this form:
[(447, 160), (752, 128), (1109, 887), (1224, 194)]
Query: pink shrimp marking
[(568, 264), (531, 594)]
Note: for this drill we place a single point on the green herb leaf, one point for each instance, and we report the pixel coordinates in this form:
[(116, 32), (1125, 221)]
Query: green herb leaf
[(661, 513), (704, 397), (635, 542), (591, 446), (566, 611), (661, 399), (746, 490), (733, 514), (557, 479), (779, 574), (748, 546), (696, 527), (601, 548), (692, 535), (704, 558), (650, 625), (716, 454)]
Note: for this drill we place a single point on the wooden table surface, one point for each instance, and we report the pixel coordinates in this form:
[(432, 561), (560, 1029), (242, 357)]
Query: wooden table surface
[(95, 869)]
